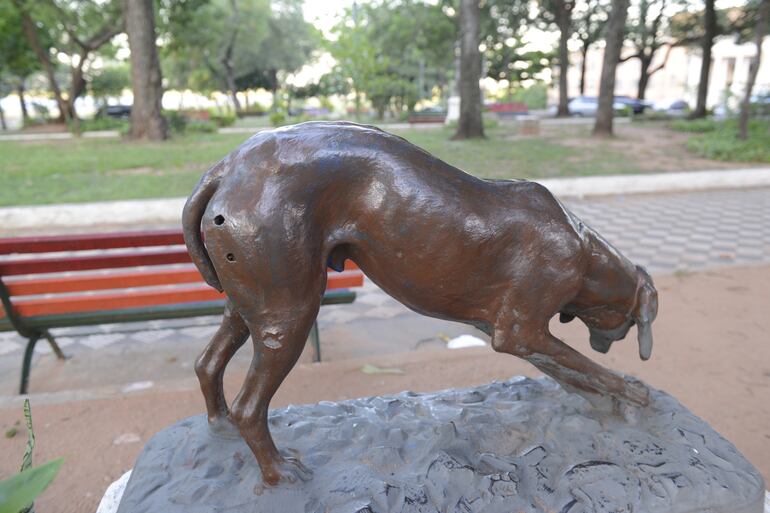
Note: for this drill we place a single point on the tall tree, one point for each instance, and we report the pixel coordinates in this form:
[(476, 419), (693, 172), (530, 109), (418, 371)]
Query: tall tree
[(17, 59), (286, 47), (395, 52), (648, 34), (78, 31), (506, 56), (222, 37), (559, 13), (763, 19), (37, 41), (470, 124), (589, 19), (616, 27), (709, 33), (147, 121)]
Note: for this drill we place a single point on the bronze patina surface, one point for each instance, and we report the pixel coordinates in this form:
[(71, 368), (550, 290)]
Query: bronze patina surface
[(504, 256)]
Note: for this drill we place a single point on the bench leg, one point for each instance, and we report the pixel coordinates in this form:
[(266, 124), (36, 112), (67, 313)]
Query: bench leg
[(26, 365), (315, 337), (55, 346)]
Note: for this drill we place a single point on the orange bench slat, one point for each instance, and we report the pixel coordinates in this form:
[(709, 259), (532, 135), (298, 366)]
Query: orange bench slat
[(81, 282), (75, 303)]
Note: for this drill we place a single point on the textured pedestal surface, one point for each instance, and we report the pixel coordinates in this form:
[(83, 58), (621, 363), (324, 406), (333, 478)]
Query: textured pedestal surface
[(520, 446)]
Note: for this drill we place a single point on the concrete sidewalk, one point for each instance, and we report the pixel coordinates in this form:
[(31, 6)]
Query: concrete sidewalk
[(710, 353)]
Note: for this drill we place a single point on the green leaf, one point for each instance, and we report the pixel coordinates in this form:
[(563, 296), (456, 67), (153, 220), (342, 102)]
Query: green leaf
[(27, 461), (19, 491), (373, 369)]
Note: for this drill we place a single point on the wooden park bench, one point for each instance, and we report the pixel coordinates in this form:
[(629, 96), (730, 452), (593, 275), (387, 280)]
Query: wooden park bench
[(79, 280)]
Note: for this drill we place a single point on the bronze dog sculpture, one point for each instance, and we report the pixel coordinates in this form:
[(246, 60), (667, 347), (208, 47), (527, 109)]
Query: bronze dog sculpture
[(504, 256)]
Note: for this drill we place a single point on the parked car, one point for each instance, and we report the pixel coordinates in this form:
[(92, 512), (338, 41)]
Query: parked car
[(637, 106), (674, 108), (588, 105), (115, 111)]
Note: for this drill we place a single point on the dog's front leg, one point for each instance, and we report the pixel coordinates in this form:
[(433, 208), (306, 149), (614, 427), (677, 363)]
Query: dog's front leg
[(571, 368)]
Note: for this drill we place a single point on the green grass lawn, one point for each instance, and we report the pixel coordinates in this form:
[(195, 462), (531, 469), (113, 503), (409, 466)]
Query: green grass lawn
[(718, 140), (83, 170)]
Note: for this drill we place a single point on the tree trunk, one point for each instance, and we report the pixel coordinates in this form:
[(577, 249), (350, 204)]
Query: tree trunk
[(20, 90), (644, 76), (563, 17), (584, 51), (616, 27), (470, 124), (147, 121), (30, 32), (761, 30), (230, 78), (273, 78), (705, 65), (77, 88), (3, 126)]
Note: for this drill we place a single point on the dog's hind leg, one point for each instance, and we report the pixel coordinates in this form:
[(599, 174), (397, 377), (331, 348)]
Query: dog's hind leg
[(279, 331), (211, 364)]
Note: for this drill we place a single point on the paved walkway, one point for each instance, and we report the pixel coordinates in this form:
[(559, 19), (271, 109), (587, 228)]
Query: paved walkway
[(667, 233)]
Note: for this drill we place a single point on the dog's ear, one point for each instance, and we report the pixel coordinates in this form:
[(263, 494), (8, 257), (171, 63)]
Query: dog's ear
[(564, 318), (646, 313)]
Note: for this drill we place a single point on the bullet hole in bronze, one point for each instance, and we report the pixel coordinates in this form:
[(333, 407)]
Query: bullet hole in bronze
[(218, 220), (230, 257)]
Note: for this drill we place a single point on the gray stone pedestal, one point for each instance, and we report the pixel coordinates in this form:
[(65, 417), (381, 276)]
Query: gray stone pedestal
[(520, 446)]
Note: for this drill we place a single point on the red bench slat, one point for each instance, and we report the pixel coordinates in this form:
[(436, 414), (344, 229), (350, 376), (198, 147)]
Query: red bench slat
[(114, 260), (74, 303), (80, 242)]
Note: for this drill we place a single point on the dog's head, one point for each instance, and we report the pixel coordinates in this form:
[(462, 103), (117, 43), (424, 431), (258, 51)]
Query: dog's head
[(609, 323)]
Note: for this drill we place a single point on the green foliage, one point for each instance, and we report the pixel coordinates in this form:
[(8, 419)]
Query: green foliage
[(722, 143), (200, 126), (16, 57), (204, 41), (19, 491), (395, 52), (698, 126), (103, 123), (277, 118), (534, 97), (26, 461), (223, 120), (177, 122), (109, 81)]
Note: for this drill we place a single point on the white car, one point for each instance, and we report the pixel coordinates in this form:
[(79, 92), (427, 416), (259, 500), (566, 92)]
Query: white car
[(588, 105)]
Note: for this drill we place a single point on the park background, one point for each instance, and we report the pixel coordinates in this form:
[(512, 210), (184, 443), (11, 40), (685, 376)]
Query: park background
[(113, 107)]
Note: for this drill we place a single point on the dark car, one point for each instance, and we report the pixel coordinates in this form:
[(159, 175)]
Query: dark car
[(115, 111), (637, 106)]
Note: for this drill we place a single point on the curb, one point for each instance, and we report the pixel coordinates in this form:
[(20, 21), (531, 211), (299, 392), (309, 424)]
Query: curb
[(169, 211), (658, 183)]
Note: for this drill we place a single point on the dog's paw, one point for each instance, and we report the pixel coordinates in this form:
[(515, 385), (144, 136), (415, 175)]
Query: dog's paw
[(286, 470)]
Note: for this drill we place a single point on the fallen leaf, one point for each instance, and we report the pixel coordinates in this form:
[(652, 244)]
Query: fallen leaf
[(373, 369)]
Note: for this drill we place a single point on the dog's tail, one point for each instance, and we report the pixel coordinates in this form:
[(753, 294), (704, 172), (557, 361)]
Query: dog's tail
[(191, 223)]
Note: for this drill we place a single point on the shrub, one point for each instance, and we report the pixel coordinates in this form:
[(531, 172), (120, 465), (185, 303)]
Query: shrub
[(200, 126), (277, 118), (534, 96), (103, 123), (222, 120), (177, 122), (699, 126), (722, 143)]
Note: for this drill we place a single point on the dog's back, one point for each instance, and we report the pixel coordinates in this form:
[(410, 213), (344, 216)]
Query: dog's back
[(414, 224)]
